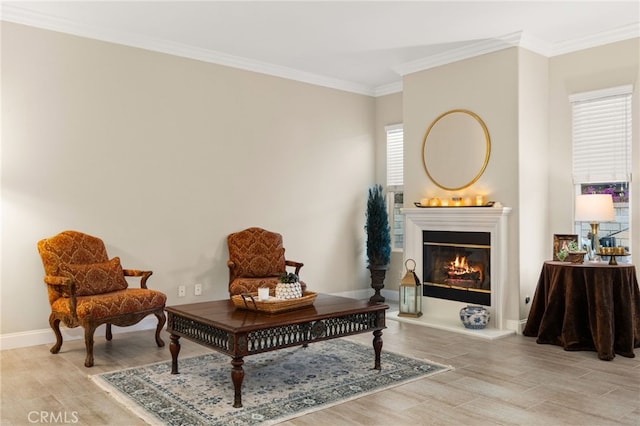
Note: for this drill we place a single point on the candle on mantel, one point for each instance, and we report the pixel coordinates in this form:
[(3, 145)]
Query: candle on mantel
[(479, 200), (456, 201)]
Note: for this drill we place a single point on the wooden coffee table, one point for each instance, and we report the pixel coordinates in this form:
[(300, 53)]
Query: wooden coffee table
[(219, 325)]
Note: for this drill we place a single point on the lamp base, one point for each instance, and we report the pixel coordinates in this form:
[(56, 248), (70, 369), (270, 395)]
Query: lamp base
[(595, 241), (410, 314)]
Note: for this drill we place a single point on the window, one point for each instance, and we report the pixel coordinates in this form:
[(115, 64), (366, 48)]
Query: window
[(395, 182), (602, 156)]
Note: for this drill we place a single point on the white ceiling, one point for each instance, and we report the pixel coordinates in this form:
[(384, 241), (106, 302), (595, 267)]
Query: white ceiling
[(360, 46)]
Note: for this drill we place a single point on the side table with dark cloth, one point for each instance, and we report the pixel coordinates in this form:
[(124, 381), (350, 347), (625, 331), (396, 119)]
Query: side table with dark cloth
[(590, 306)]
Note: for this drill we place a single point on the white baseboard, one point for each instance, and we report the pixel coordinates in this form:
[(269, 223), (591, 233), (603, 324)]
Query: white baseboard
[(516, 325), (391, 295), (45, 336)]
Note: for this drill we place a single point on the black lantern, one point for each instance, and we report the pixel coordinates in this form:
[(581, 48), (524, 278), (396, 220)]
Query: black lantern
[(410, 302)]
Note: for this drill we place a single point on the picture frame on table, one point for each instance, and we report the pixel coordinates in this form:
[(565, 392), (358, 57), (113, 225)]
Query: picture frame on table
[(561, 241)]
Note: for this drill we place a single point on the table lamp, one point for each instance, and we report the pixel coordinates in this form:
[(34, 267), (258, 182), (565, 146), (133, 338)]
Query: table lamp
[(594, 208)]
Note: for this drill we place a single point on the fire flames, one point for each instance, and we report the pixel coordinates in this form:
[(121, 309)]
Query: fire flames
[(461, 268)]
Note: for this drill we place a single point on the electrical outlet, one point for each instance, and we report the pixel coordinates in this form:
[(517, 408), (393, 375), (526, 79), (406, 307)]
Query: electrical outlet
[(182, 291), (198, 290)]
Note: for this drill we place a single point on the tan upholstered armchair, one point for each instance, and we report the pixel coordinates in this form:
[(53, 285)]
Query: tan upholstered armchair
[(87, 289), (256, 259)]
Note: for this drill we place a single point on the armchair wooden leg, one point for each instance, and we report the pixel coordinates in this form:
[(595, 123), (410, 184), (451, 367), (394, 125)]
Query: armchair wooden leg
[(55, 326), (162, 319), (109, 335), (89, 330)]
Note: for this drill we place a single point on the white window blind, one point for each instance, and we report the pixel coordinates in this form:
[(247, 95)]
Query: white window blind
[(602, 135), (395, 162)]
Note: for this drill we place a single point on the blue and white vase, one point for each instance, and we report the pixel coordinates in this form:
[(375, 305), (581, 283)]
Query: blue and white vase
[(474, 317)]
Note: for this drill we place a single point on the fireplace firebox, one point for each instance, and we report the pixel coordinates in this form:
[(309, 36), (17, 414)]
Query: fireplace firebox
[(457, 266), (443, 313)]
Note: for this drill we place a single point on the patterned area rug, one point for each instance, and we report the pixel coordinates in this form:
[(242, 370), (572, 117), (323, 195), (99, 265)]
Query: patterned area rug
[(277, 385)]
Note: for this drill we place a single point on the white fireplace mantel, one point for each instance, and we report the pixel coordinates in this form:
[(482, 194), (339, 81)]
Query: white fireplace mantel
[(462, 219)]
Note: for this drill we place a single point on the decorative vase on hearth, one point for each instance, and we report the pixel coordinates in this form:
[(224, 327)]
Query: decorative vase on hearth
[(474, 317)]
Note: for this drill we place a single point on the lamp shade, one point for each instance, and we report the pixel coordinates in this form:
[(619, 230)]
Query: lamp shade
[(594, 208)]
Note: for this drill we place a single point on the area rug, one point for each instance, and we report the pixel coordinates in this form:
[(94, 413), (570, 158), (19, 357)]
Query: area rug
[(277, 385)]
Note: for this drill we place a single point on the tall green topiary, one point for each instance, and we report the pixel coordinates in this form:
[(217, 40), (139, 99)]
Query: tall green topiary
[(377, 227)]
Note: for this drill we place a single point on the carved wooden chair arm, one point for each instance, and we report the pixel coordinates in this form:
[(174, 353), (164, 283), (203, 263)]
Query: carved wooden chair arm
[(65, 287), (138, 273), (60, 284), (294, 264)]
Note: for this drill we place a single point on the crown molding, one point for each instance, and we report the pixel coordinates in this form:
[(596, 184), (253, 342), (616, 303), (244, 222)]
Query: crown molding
[(618, 34), (19, 15), (523, 40), (454, 55), (388, 89), (534, 44), (470, 50)]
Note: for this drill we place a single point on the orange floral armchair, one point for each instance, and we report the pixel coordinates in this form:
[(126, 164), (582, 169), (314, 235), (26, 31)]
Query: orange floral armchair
[(87, 289), (256, 259)]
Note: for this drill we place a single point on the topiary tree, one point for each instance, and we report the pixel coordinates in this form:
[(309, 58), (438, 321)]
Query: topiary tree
[(377, 227), (378, 240)]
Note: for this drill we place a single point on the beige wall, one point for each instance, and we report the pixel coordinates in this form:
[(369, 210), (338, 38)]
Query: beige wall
[(523, 99), (606, 66), (533, 154), (488, 86), (163, 157)]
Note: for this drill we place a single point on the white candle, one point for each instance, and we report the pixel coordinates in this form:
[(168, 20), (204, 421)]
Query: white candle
[(263, 293)]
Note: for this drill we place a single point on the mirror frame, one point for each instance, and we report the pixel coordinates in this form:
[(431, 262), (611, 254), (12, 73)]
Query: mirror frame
[(487, 149)]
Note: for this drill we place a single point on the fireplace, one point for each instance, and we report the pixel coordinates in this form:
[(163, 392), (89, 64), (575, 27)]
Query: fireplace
[(456, 266), (462, 255)]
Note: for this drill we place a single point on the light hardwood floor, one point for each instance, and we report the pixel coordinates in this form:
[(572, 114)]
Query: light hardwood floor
[(511, 381)]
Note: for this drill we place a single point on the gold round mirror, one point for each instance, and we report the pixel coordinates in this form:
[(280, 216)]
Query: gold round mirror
[(456, 149)]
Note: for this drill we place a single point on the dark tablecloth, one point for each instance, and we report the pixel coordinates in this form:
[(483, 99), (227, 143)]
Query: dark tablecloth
[(590, 306)]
